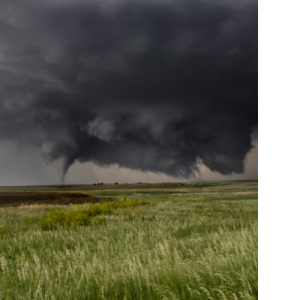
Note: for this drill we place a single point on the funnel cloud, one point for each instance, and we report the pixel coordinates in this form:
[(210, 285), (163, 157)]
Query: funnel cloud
[(146, 85)]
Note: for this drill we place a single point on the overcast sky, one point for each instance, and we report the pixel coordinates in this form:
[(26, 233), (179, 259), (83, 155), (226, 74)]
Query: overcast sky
[(127, 90)]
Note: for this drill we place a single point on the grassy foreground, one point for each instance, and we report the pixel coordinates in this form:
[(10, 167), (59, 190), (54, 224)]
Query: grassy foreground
[(195, 242)]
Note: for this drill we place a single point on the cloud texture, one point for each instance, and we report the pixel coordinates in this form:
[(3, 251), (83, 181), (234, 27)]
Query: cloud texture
[(148, 85)]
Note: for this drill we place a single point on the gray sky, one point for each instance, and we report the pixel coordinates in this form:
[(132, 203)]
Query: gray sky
[(153, 87), (24, 165)]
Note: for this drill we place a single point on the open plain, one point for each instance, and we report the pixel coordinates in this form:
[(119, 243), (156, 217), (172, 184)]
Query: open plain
[(194, 240)]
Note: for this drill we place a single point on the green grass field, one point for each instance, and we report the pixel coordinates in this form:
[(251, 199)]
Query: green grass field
[(189, 241)]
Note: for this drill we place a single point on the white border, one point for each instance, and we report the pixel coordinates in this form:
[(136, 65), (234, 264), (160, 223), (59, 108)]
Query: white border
[(279, 135)]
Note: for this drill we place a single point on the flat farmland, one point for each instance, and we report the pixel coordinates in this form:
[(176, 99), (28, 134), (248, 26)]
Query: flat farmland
[(195, 240), (28, 198)]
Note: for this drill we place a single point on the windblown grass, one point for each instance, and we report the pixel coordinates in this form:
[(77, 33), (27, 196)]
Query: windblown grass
[(173, 250)]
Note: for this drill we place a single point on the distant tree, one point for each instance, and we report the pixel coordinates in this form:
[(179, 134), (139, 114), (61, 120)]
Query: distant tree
[(116, 183), (94, 184), (101, 183)]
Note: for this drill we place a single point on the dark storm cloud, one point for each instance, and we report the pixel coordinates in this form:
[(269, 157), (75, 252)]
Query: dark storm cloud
[(147, 85)]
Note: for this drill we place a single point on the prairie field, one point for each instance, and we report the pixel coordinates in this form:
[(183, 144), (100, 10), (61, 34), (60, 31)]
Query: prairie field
[(196, 240)]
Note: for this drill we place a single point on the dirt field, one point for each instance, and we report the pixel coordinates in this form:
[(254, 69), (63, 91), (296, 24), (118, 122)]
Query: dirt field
[(167, 185), (76, 194), (28, 198)]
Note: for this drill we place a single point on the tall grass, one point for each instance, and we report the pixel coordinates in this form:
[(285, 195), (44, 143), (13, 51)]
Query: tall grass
[(174, 250)]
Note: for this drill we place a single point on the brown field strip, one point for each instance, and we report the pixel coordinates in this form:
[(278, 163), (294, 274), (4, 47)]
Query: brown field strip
[(120, 186), (51, 198)]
